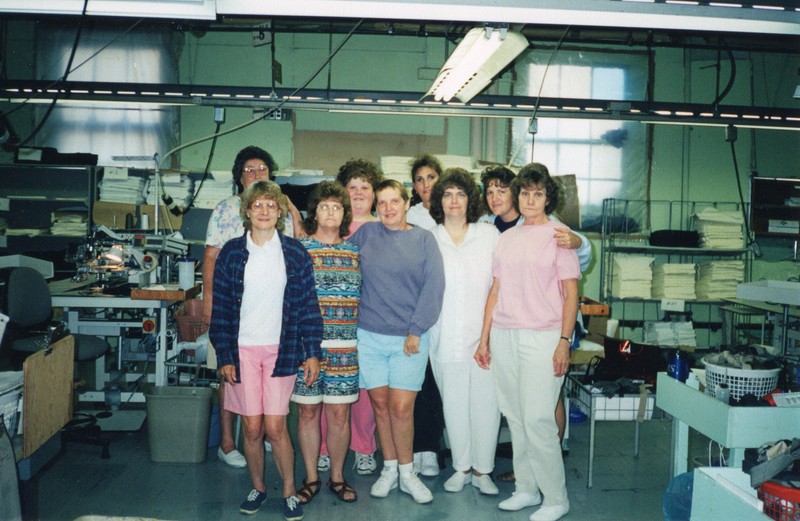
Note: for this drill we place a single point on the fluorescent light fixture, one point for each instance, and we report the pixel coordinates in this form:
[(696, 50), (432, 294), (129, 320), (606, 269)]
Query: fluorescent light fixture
[(480, 56), (797, 92)]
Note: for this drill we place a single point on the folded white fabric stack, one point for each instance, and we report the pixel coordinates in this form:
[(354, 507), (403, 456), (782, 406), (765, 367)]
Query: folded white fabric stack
[(718, 279), (397, 168), (130, 190), (670, 334), (69, 222), (215, 188), (179, 187), (674, 281), (633, 276), (453, 161), (719, 229)]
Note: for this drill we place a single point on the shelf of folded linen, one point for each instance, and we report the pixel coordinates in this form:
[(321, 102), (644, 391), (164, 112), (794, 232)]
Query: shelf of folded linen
[(719, 229), (674, 281), (674, 334), (632, 276), (717, 279)]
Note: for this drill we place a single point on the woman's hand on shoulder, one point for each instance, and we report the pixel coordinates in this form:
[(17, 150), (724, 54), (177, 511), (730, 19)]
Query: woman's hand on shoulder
[(566, 239)]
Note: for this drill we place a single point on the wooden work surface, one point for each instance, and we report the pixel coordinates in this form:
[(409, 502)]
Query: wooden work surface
[(165, 292), (47, 393)]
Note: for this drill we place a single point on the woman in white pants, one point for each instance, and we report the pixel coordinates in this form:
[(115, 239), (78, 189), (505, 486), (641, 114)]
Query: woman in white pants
[(471, 412), (528, 323)]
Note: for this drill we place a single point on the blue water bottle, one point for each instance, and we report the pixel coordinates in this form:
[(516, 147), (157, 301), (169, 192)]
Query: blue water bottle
[(678, 365)]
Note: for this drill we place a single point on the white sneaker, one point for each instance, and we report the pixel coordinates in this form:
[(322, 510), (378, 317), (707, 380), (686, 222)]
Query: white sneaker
[(520, 500), (385, 484), (550, 513), (428, 464), (365, 464), (456, 482), (234, 458), (411, 484), (267, 446), (323, 463), (485, 484)]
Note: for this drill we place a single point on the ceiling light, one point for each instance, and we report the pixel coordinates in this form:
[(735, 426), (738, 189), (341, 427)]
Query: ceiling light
[(480, 56)]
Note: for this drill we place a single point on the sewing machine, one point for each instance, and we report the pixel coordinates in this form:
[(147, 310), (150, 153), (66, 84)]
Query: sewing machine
[(121, 260)]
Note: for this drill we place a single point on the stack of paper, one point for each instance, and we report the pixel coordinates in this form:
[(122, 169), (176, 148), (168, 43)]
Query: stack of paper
[(69, 222), (718, 279), (129, 190), (670, 334), (674, 281), (453, 161), (216, 187), (633, 276), (719, 229), (179, 188)]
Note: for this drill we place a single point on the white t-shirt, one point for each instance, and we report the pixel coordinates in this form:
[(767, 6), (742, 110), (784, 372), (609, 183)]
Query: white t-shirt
[(419, 216), (261, 314)]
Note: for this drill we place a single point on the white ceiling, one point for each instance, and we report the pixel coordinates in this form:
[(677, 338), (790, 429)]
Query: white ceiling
[(634, 14)]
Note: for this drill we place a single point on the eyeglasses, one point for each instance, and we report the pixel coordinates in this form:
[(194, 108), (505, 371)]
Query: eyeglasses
[(326, 207), (255, 170), (269, 206)]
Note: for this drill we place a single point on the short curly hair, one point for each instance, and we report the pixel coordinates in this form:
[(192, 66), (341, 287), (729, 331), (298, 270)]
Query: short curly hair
[(459, 178), (245, 155), (536, 175), (264, 190), (504, 176), (359, 168), (322, 192)]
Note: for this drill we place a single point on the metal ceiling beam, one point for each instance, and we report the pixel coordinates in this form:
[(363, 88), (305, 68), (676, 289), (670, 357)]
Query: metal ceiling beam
[(408, 103)]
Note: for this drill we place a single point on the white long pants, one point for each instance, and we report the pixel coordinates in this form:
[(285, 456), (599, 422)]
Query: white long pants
[(527, 392), (471, 413)]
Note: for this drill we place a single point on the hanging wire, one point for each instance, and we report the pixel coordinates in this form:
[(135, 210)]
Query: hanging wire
[(277, 107), (539, 95)]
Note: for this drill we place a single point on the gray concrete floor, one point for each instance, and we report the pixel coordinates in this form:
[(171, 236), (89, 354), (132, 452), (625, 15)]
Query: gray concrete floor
[(80, 485)]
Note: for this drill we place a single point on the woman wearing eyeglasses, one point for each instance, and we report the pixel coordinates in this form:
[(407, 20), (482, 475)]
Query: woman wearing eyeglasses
[(252, 164), (337, 273), (265, 324)]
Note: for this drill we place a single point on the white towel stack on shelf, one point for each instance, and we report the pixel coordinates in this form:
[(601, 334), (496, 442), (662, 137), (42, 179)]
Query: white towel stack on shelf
[(719, 229), (216, 187), (68, 222), (179, 187), (718, 279), (633, 276), (674, 281), (670, 334), (397, 168), (130, 190)]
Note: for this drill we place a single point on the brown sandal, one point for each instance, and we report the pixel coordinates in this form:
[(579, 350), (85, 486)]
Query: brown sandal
[(307, 492), (342, 489)]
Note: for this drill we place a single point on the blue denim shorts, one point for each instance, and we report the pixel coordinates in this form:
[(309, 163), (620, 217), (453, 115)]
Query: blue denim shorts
[(382, 362)]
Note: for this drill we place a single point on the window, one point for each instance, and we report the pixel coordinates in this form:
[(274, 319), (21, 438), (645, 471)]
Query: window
[(607, 157), (129, 129)]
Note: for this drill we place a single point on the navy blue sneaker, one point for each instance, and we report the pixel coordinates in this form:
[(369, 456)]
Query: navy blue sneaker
[(292, 511), (253, 502)]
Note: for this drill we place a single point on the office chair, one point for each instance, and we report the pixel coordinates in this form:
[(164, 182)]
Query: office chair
[(26, 298)]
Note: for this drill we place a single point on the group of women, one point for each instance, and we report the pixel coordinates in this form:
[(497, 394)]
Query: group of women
[(366, 302)]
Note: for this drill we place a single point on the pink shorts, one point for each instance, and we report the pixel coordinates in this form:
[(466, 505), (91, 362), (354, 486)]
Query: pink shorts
[(259, 394)]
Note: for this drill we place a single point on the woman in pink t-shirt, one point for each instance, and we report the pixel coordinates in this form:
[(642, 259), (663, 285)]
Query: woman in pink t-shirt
[(528, 322)]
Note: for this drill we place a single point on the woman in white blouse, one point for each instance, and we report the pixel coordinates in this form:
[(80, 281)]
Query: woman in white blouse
[(471, 412)]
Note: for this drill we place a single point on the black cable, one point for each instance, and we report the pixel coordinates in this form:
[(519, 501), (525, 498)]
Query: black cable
[(190, 204), (731, 79), (748, 239), (63, 78)]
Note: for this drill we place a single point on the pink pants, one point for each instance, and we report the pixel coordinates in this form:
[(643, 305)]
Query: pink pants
[(362, 426)]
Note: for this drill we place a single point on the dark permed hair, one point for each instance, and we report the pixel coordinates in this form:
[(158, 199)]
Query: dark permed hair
[(356, 168), (459, 178), (501, 174), (536, 174), (322, 192), (245, 155)]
